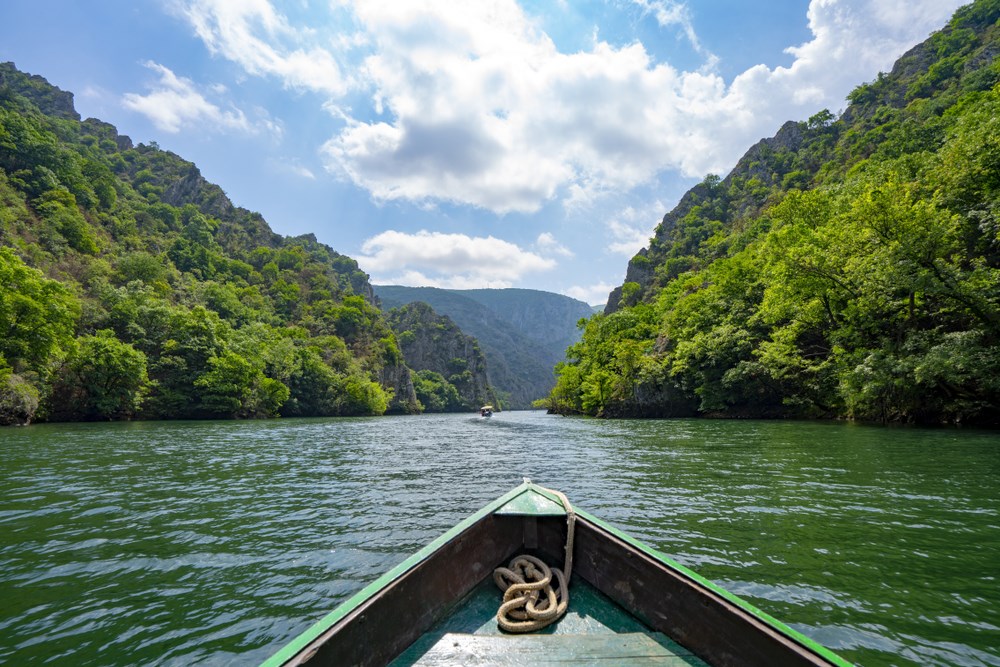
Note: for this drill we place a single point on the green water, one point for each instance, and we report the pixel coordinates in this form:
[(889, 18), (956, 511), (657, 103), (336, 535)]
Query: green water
[(216, 542)]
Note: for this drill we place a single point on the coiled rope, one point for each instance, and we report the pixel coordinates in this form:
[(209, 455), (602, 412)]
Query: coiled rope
[(530, 602)]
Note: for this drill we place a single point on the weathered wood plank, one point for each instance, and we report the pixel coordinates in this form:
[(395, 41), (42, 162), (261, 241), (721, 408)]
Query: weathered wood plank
[(378, 630), (714, 628), (636, 648)]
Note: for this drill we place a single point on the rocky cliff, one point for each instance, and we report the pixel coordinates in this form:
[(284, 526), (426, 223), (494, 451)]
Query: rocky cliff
[(434, 343)]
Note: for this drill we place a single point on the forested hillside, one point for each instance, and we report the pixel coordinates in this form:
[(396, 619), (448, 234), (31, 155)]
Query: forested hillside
[(848, 267), (523, 333), (450, 373), (132, 287)]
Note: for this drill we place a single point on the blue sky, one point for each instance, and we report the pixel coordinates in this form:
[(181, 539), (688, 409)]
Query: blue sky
[(474, 144)]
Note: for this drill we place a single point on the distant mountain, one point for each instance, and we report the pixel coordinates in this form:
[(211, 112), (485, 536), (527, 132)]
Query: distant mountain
[(523, 333)]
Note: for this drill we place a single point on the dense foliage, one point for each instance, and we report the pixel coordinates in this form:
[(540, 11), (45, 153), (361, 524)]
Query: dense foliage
[(132, 287), (849, 267)]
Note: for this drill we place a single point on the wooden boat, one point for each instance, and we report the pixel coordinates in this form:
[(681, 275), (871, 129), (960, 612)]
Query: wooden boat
[(628, 604)]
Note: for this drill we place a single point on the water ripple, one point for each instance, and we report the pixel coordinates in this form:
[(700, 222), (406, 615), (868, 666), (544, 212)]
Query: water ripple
[(216, 542)]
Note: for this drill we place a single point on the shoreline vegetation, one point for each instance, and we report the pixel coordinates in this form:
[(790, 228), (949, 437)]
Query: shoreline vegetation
[(847, 268), (132, 288)]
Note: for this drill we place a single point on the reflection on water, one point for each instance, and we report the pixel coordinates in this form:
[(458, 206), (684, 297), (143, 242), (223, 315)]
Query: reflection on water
[(216, 542)]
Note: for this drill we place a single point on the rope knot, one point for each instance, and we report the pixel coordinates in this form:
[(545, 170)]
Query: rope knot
[(530, 602)]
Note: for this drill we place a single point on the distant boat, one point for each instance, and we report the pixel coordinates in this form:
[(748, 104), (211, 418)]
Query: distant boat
[(627, 603), (486, 411)]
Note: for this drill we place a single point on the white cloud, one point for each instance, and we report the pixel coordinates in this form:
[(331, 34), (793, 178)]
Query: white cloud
[(263, 122), (592, 294), (174, 103), (629, 238), (547, 243), (294, 167), (485, 111), (255, 35), (669, 13), (93, 92), (471, 103), (631, 228), (447, 260)]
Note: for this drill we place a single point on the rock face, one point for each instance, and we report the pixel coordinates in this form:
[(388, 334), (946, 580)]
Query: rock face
[(547, 319), (50, 100), (432, 342), (404, 398), (760, 163)]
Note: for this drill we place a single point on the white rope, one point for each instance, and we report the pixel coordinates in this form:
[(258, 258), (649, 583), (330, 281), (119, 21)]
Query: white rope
[(530, 602)]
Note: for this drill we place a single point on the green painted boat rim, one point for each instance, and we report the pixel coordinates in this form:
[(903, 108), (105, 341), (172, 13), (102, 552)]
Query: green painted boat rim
[(764, 617), (294, 647)]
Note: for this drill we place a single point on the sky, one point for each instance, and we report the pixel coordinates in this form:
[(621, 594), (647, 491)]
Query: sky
[(491, 143)]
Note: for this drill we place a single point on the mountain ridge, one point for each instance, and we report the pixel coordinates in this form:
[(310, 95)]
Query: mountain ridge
[(523, 333), (131, 287), (846, 267), (451, 370), (758, 162)]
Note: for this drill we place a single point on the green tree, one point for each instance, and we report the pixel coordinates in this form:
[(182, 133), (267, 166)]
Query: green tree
[(140, 265), (59, 209), (18, 398), (435, 393), (37, 315), (358, 395), (234, 387), (312, 386), (182, 347), (102, 378)]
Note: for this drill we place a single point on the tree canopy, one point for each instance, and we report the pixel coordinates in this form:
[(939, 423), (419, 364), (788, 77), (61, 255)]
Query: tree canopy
[(849, 267), (131, 287)]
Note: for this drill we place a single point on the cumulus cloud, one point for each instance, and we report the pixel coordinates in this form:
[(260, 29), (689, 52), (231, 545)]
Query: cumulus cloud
[(547, 243), (472, 103), (631, 227), (253, 34), (484, 110), (175, 102), (593, 294), (436, 259)]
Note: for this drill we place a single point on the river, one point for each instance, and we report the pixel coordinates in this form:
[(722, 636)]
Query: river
[(178, 543)]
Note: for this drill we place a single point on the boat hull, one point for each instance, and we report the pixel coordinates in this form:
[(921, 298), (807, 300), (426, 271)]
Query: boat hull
[(380, 622)]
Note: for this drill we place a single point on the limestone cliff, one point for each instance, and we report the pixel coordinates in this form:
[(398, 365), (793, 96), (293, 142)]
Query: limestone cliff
[(727, 201), (432, 342)]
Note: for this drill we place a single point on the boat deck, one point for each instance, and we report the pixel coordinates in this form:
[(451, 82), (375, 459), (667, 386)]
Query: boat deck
[(595, 631)]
